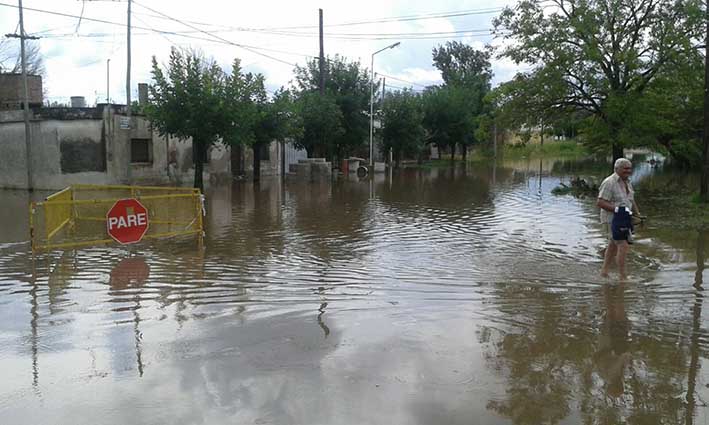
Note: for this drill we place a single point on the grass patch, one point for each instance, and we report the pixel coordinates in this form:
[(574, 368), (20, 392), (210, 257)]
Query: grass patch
[(565, 149), (433, 163)]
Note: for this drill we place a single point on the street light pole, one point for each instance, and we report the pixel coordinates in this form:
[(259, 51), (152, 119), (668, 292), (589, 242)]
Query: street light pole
[(371, 105), (108, 81)]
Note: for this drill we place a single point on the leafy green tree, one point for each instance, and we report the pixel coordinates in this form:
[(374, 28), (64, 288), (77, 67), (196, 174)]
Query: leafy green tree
[(402, 119), (272, 123), (447, 118), (321, 122), (462, 65), (347, 85), (527, 102), (671, 112), (605, 54), (186, 102), (467, 74), (242, 93)]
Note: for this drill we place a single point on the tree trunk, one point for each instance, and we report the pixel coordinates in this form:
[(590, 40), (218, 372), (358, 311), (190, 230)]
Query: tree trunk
[(465, 152), (257, 161), (452, 151), (197, 156), (617, 150)]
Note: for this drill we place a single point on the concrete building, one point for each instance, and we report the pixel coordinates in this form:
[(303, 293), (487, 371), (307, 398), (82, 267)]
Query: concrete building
[(12, 91), (91, 145)]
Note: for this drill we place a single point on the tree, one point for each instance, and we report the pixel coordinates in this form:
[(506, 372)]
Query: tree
[(527, 102), (186, 100), (272, 123), (321, 122), (11, 60), (347, 85), (603, 54), (462, 65), (467, 74), (448, 118), (402, 118)]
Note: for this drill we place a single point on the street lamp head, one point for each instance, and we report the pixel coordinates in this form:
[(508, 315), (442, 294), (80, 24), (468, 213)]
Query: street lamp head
[(395, 44)]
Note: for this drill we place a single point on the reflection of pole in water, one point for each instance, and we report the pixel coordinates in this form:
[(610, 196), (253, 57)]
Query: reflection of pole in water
[(138, 336), (322, 324), (33, 325), (701, 258), (694, 361), (696, 326), (539, 191), (129, 272), (494, 171)]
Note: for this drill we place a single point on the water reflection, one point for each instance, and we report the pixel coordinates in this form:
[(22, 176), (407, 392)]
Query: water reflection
[(359, 302), (612, 354)]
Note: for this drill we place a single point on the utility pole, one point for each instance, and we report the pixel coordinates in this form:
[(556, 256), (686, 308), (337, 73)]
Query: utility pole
[(704, 186), (128, 65), (128, 111), (26, 97), (322, 68), (322, 57), (108, 81)]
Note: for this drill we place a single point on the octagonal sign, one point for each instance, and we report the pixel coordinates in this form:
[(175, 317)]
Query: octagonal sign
[(127, 221)]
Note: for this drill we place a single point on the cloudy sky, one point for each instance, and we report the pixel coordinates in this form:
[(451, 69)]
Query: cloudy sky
[(269, 36)]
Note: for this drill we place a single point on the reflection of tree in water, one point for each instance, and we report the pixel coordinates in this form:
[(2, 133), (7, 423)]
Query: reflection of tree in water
[(440, 188), (257, 224), (326, 220), (561, 356)]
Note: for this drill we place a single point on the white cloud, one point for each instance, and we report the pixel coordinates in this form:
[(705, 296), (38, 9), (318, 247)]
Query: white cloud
[(77, 65)]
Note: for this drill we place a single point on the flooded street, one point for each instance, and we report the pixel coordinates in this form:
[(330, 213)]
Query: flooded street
[(465, 295)]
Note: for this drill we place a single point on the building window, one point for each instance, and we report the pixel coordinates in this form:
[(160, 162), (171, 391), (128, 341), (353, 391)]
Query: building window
[(82, 155), (141, 151), (264, 151)]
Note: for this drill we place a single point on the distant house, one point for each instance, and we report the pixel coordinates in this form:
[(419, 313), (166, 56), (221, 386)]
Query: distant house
[(101, 145)]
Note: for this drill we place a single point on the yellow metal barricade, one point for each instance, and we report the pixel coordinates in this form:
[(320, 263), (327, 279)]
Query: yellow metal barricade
[(76, 216)]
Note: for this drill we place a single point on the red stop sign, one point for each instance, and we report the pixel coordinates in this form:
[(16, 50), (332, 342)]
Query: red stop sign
[(127, 221)]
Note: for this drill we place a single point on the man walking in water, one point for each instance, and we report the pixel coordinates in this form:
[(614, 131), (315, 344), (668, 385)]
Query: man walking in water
[(616, 192)]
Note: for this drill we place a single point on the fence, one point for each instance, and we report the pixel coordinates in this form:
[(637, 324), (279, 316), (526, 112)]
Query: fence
[(76, 216)]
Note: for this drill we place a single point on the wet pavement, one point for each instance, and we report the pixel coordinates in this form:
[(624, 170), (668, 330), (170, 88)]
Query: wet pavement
[(466, 295)]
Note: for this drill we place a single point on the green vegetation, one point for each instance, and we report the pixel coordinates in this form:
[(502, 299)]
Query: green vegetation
[(404, 133), (341, 126), (608, 75), (557, 149)]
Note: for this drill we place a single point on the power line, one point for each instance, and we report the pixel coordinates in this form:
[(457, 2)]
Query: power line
[(403, 88), (401, 80), (388, 34), (103, 21), (78, 24), (216, 36), (433, 15), (436, 15), (162, 32)]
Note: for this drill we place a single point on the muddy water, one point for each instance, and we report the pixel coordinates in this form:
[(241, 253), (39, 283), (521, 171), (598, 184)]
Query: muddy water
[(439, 296)]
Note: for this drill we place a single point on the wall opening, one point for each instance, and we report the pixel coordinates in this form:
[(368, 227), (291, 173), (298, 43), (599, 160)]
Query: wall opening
[(141, 151), (82, 154)]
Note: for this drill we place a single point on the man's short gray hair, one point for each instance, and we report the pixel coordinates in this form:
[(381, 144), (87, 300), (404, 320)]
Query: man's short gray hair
[(620, 162)]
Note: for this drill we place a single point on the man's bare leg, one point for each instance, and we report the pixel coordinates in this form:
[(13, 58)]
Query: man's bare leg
[(608, 258), (623, 248)]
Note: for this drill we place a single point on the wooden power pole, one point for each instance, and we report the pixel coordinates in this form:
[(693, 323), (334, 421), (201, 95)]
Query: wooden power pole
[(26, 96), (322, 57), (704, 186), (128, 108)]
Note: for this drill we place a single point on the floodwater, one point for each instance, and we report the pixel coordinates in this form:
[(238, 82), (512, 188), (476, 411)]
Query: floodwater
[(465, 295)]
